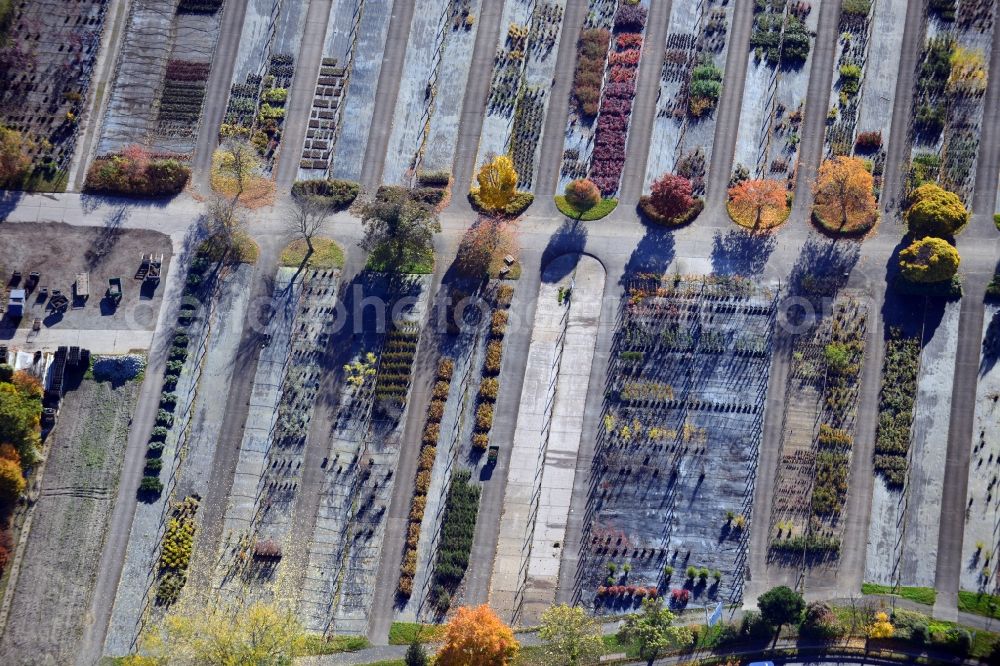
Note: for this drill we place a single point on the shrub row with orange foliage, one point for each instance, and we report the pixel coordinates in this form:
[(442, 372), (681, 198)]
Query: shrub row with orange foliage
[(425, 463)]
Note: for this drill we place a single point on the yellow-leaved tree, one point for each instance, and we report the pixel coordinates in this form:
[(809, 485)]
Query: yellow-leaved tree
[(881, 627), (497, 183), (477, 637), (262, 635)]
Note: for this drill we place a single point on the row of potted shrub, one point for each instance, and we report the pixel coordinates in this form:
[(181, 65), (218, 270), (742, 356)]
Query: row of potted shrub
[(175, 551), (611, 136), (393, 381), (150, 487), (428, 452), (489, 385)]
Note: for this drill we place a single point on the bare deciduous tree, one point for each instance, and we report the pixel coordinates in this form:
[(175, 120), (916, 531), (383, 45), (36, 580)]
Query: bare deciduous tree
[(306, 218), (224, 224)]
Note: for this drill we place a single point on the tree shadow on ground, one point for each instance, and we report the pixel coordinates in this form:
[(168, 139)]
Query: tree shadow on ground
[(8, 202), (991, 345), (823, 266), (570, 238), (910, 315), (654, 253), (739, 252)]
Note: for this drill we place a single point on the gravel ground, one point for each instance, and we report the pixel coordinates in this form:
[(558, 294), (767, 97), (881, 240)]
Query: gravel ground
[(58, 252), (983, 505), (903, 533), (56, 577), (674, 137)]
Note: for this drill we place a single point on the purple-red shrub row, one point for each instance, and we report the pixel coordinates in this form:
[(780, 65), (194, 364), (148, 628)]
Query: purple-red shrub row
[(611, 134), (627, 591), (630, 18), (185, 70)]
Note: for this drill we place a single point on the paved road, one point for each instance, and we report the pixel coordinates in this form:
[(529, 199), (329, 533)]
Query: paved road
[(727, 113), (817, 105), (217, 97), (474, 107), (387, 92), (898, 153), (554, 134), (767, 464), (300, 96), (644, 107)]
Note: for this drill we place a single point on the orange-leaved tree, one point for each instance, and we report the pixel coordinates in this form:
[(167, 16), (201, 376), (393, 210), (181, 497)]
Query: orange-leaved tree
[(484, 245), (844, 196), (477, 637), (758, 204)]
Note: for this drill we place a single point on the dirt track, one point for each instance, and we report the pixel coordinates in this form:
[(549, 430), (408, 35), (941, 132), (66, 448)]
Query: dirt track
[(57, 572)]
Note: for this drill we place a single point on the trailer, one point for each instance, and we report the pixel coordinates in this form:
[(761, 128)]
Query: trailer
[(114, 293)]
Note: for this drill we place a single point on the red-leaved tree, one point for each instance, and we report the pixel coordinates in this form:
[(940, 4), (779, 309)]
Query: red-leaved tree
[(671, 195)]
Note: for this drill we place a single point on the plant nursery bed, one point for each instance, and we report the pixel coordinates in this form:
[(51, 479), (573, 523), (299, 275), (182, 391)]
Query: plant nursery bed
[(777, 80), (432, 88), (43, 93), (697, 48), (523, 71), (342, 108), (673, 476)]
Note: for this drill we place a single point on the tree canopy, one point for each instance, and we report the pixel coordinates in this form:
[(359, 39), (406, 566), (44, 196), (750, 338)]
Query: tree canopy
[(477, 637), (781, 605), (935, 211), (929, 260), (652, 630), (758, 204), (497, 183), (844, 196), (583, 194), (398, 229), (262, 635), (483, 245), (13, 154), (571, 636), (20, 414), (671, 195)]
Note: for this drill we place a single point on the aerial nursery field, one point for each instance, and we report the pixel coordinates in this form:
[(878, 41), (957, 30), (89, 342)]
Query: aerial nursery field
[(697, 48), (914, 417), (949, 96), (607, 67), (523, 71), (453, 447), (45, 70), (361, 434), (265, 64), (673, 475), (811, 485), (431, 91), (206, 332), (342, 107), (863, 90), (777, 80), (162, 75)]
